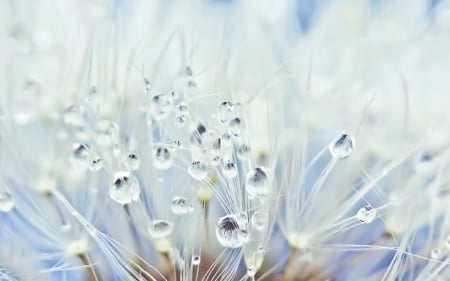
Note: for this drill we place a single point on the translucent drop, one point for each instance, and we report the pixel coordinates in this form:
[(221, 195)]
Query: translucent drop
[(81, 155), (342, 147), (180, 121), (175, 96), (257, 182), (227, 232), (198, 134), (226, 140), (147, 86), (243, 236), (159, 229), (226, 112), (125, 188), (160, 107), (92, 95), (366, 214), (197, 170), (447, 242), (235, 126), (251, 271), (196, 260), (96, 164), (217, 143), (75, 115), (133, 162), (7, 202), (177, 143), (260, 220), (183, 109), (162, 158), (243, 151), (181, 206), (436, 253), (229, 170), (107, 132)]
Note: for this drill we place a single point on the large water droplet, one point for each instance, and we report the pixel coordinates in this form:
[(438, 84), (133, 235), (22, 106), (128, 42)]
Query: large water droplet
[(159, 229), (227, 232), (125, 188), (181, 206), (436, 253), (226, 112), (342, 147), (366, 214), (162, 158), (7, 202), (257, 182), (198, 170)]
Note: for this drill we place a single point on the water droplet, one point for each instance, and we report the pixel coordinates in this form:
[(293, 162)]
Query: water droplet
[(159, 229), (198, 170), (229, 169), (243, 236), (81, 155), (133, 162), (175, 96), (183, 109), (107, 132), (96, 164), (260, 220), (160, 107), (235, 126), (198, 134), (196, 260), (447, 242), (162, 158), (177, 143), (92, 95), (147, 86), (243, 151), (226, 112), (125, 188), (227, 232), (366, 214), (217, 143), (342, 147), (251, 271), (181, 206), (180, 121), (75, 115), (436, 253), (257, 182), (7, 202)]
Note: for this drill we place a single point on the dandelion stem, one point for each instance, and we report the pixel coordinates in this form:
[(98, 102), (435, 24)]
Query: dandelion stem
[(289, 269), (91, 275)]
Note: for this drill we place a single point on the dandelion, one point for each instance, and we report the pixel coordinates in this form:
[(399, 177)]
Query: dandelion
[(224, 140)]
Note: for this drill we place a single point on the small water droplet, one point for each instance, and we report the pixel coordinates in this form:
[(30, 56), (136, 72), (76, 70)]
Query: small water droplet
[(198, 170), (217, 143), (229, 169), (159, 229), (226, 112), (125, 188), (181, 206), (447, 242), (260, 220), (436, 253), (251, 271), (366, 214), (235, 126), (96, 164), (133, 162), (162, 158), (147, 86), (243, 151), (180, 121), (160, 107), (75, 115), (342, 147), (183, 109), (196, 260), (81, 155), (227, 232), (257, 182), (7, 202), (198, 134), (107, 132)]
